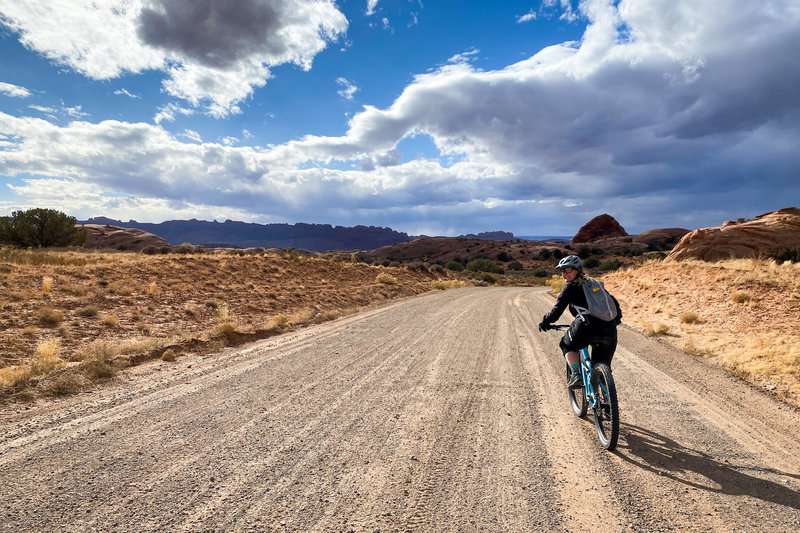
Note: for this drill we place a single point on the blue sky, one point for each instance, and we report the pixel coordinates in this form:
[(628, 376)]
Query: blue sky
[(438, 118)]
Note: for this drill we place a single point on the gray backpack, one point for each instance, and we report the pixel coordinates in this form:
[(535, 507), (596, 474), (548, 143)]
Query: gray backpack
[(600, 303)]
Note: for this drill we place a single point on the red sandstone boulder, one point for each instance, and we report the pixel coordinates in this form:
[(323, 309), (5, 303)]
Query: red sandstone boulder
[(600, 227), (764, 235)]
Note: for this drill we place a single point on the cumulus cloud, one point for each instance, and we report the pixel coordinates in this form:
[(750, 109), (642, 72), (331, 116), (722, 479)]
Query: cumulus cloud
[(14, 91), (371, 5), (214, 53), (347, 89), (630, 120)]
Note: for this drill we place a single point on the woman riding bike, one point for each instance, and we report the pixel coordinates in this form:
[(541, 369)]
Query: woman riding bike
[(585, 330)]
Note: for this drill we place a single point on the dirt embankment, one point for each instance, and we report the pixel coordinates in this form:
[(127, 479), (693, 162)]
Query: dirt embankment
[(741, 314)]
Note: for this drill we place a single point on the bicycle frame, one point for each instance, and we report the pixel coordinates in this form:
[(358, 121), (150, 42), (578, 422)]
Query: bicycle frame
[(586, 375)]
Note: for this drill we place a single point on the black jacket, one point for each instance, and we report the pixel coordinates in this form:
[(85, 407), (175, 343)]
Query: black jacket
[(572, 295)]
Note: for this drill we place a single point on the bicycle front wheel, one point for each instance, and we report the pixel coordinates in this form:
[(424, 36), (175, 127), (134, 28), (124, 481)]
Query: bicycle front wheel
[(606, 411), (577, 399)]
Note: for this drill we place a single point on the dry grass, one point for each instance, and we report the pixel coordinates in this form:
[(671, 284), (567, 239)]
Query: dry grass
[(47, 286), (49, 317), (111, 309), (757, 339), (388, 279), (689, 317), (444, 284)]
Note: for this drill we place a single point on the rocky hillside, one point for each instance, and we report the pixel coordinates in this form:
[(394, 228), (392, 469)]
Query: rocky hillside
[(765, 235), (116, 238)]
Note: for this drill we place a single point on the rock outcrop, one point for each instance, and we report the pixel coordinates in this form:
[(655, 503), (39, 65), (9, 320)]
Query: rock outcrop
[(765, 235), (105, 236), (600, 227)]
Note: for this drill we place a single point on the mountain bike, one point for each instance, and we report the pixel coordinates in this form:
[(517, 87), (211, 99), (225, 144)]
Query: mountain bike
[(599, 393)]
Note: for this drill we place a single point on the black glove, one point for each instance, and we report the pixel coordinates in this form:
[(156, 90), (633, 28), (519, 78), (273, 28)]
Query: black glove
[(543, 326)]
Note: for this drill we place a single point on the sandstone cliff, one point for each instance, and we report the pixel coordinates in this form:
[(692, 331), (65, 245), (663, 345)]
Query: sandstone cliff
[(764, 235)]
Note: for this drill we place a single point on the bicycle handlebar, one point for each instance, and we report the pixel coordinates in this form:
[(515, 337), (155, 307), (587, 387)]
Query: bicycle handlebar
[(558, 326)]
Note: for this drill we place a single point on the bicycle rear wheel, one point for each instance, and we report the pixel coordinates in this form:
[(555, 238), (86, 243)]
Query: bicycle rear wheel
[(606, 412), (577, 399)]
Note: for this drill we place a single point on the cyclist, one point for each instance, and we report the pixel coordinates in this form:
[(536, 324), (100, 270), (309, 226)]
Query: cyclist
[(585, 329)]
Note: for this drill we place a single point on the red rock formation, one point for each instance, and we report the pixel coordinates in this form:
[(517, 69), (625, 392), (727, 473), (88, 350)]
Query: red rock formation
[(762, 236), (600, 227), (104, 236)]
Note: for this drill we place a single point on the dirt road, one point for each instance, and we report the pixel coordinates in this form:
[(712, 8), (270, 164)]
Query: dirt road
[(445, 412)]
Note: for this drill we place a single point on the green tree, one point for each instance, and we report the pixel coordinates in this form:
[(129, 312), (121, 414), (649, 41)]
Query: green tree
[(41, 228)]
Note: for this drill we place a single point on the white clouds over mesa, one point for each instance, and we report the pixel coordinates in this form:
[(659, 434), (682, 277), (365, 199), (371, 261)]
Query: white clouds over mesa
[(214, 53), (655, 107)]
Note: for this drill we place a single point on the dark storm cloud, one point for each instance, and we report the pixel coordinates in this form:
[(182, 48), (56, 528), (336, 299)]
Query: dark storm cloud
[(212, 32)]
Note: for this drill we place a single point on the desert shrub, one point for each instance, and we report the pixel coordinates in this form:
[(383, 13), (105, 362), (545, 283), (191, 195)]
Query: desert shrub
[(484, 265), (417, 266), (90, 311), (545, 254), (96, 369), (47, 286), (591, 262), (455, 266), (436, 269), (610, 265), (50, 317), (689, 317), (47, 357), (168, 355), (150, 250), (583, 251), (741, 297), (281, 320), (515, 265), (488, 278), (65, 383), (75, 289), (788, 254), (30, 330), (444, 284), (556, 283), (654, 329), (540, 273), (11, 376), (558, 254), (504, 257), (143, 328), (386, 278), (110, 320), (184, 248)]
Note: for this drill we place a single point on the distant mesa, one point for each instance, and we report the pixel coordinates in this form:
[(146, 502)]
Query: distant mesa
[(311, 237), (600, 227), (491, 236), (765, 235), (117, 238)]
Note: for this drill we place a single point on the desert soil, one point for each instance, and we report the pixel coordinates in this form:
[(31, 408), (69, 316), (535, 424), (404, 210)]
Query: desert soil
[(444, 412)]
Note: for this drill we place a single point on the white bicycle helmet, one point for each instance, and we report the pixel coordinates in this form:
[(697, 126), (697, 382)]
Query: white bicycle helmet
[(571, 261)]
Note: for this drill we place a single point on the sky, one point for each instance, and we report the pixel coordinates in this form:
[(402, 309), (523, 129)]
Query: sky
[(434, 117)]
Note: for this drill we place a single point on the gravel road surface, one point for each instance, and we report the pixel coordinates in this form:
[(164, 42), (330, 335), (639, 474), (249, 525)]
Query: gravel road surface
[(445, 412)]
